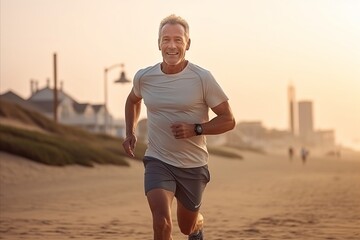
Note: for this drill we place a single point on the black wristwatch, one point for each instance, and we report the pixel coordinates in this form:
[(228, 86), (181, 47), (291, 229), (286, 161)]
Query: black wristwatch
[(198, 129)]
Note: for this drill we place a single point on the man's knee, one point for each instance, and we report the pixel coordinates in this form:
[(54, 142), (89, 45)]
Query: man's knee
[(161, 223), (189, 226)]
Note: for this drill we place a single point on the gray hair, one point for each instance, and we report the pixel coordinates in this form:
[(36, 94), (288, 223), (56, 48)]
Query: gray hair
[(173, 19)]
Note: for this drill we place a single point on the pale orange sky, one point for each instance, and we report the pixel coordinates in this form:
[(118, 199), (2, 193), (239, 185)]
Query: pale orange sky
[(254, 48)]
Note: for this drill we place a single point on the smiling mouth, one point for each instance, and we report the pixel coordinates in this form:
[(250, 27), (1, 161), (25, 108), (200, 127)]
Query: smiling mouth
[(172, 54)]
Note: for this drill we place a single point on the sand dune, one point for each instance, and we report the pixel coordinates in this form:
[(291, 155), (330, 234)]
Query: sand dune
[(260, 197)]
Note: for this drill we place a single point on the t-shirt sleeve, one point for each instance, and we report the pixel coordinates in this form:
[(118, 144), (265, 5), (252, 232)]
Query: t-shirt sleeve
[(213, 93), (136, 84)]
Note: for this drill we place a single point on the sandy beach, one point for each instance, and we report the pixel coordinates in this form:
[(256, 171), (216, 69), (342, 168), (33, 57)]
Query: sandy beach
[(260, 197)]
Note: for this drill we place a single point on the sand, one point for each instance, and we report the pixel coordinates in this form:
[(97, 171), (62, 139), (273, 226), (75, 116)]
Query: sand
[(260, 197)]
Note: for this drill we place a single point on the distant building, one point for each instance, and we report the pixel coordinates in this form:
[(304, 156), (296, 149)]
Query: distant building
[(324, 138), (247, 134), (70, 112), (12, 97), (301, 124), (306, 120), (252, 129)]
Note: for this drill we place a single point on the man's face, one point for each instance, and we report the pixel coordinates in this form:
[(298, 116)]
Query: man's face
[(173, 43)]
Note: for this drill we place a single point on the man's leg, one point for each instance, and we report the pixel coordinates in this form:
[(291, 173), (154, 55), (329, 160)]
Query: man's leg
[(160, 201), (189, 221)]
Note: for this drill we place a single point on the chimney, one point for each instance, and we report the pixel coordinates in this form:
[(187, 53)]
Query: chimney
[(36, 86), (48, 82), (291, 110), (32, 86)]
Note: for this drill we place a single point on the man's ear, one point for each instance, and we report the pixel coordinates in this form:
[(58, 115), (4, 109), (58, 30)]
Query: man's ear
[(159, 44), (188, 44)]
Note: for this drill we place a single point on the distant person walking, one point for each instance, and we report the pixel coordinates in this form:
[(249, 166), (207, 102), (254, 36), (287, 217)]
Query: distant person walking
[(304, 154), (291, 153), (178, 95)]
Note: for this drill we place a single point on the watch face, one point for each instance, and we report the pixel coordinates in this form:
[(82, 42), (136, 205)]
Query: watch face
[(198, 129)]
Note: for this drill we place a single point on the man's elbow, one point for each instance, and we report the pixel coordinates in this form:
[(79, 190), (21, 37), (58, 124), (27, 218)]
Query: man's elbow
[(232, 123)]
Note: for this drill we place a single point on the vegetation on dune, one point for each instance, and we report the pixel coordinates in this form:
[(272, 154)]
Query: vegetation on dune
[(33, 118), (58, 144), (57, 150), (223, 152)]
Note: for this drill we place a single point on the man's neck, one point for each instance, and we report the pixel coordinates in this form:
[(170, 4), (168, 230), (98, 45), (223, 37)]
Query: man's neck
[(173, 69)]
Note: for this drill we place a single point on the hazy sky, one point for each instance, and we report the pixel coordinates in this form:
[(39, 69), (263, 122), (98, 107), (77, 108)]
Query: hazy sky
[(254, 48)]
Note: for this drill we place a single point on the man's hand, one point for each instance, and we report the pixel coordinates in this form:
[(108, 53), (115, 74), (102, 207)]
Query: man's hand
[(129, 145), (183, 130)]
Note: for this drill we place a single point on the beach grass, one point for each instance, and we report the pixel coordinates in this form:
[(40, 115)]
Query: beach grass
[(224, 152), (60, 150), (57, 144)]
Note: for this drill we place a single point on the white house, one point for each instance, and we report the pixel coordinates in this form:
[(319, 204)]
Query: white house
[(85, 115)]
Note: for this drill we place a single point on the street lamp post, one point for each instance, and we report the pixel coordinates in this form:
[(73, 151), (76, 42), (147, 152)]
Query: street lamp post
[(122, 79)]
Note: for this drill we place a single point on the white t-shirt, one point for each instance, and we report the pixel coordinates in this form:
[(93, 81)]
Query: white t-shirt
[(182, 97)]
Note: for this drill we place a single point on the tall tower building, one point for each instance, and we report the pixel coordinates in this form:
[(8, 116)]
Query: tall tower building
[(291, 102), (306, 120)]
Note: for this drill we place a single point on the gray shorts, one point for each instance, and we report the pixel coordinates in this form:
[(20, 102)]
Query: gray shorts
[(187, 184)]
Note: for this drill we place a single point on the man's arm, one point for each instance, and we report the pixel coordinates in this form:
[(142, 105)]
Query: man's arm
[(132, 113), (222, 122)]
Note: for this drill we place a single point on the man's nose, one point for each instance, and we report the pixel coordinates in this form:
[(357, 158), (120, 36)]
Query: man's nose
[(172, 43)]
